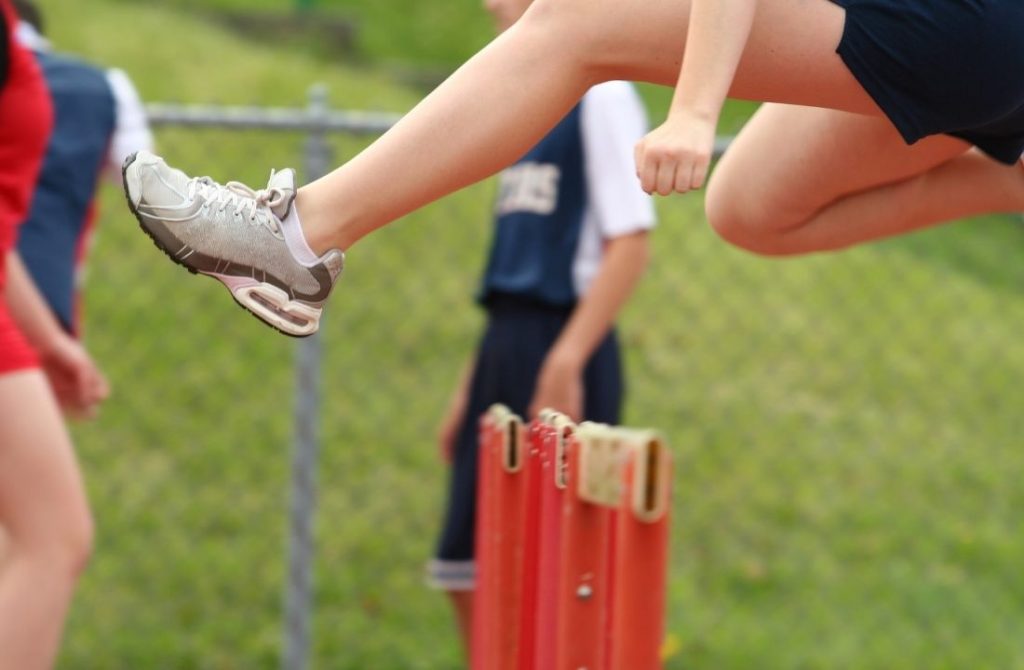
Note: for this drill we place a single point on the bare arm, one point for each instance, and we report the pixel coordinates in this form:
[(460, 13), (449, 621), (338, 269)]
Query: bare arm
[(29, 308), (559, 384), (454, 414), (714, 44), (79, 385), (677, 154)]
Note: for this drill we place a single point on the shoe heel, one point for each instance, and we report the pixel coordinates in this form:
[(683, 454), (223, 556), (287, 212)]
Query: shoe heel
[(273, 305)]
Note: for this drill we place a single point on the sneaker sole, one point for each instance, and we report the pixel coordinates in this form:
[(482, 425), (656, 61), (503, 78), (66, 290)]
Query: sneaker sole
[(268, 303)]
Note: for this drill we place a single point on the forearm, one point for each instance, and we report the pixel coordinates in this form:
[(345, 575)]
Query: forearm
[(29, 308), (715, 42), (624, 262)]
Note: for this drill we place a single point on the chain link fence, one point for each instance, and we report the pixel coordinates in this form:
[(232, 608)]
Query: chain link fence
[(847, 430)]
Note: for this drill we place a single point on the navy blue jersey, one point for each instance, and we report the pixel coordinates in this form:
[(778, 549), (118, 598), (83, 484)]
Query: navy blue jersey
[(49, 241), (99, 120), (539, 218), (555, 206)]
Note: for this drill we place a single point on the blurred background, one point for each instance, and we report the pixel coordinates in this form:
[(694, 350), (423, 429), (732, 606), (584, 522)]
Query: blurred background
[(847, 426)]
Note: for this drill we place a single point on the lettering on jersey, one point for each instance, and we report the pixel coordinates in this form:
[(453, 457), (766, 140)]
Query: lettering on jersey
[(530, 188)]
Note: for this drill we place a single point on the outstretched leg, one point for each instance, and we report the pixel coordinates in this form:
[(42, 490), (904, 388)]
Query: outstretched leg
[(799, 179), (45, 519), (490, 112), (501, 102)]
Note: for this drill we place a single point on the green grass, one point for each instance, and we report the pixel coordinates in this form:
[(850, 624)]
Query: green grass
[(416, 42), (847, 427), (435, 36)]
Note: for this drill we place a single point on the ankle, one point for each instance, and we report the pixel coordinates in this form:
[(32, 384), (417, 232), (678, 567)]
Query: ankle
[(323, 231)]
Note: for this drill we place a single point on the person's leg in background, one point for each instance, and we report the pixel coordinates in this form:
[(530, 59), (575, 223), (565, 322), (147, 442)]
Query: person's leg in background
[(46, 520), (516, 340)]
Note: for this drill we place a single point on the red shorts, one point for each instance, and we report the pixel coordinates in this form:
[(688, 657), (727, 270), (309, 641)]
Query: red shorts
[(15, 353), (26, 117)]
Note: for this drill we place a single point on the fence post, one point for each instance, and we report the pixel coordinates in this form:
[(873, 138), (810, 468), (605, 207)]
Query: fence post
[(298, 590)]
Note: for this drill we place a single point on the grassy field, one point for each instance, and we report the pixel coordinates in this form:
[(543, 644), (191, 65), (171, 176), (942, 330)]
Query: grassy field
[(432, 35), (847, 426), (417, 43)]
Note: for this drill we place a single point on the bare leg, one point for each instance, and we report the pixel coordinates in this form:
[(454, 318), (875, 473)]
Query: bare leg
[(45, 515), (509, 95), (801, 179)]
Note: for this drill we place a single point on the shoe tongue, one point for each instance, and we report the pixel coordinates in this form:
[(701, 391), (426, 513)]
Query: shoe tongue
[(284, 182)]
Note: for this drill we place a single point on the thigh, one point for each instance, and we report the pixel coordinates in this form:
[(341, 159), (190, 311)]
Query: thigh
[(789, 162), (41, 490), (790, 55)]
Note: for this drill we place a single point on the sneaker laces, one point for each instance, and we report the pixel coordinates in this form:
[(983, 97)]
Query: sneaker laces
[(244, 199)]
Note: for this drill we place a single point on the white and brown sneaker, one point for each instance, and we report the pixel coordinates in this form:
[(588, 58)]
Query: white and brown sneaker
[(241, 237)]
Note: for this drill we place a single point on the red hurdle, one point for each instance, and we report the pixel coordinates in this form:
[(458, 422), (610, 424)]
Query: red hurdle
[(572, 545), (500, 534), (555, 432), (641, 555)]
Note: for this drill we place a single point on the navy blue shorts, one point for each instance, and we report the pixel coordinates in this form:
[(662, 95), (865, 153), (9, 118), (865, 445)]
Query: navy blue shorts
[(952, 67), (518, 336)]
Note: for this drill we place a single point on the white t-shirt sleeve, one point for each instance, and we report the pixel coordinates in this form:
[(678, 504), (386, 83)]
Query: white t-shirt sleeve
[(613, 120), (131, 130)]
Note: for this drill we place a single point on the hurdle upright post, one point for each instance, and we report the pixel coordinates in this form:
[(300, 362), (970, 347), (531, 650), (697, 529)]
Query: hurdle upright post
[(484, 599), (592, 482), (557, 431), (530, 602), (499, 542), (641, 554)]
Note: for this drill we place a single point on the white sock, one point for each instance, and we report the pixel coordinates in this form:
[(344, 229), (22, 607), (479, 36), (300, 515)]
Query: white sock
[(295, 239)]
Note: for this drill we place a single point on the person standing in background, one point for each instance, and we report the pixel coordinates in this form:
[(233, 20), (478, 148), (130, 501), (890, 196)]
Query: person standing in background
[(45, 520), (570, 245), (99, 121)]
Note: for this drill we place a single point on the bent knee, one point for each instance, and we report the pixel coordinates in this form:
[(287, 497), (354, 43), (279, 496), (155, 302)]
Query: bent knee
[(573, 30), (559, 11), (747, 224), (551, 15)]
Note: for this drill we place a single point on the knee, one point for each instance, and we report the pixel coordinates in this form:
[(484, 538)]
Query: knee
[(71, 549), (568, 26), (542, 17), (63, 551), (554, 13), (79, 544), (744, 223)]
